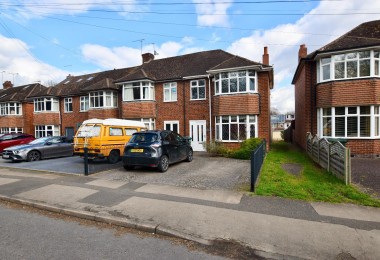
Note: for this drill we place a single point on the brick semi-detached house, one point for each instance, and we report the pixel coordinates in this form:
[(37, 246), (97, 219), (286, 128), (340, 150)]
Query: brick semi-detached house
[(337, 91), (210, 95)]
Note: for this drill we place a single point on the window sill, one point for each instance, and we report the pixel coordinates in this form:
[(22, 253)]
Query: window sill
[(235, 93)]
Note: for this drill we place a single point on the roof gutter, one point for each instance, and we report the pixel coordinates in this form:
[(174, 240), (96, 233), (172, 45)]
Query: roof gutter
[(255, 67)]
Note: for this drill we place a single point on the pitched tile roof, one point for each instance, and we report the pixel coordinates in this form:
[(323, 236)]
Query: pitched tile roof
[(188, 65), (20, 93), (365, 35)]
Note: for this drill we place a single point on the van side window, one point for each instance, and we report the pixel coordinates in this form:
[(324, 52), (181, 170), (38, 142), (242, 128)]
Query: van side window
[(130, 131), (116, 131)]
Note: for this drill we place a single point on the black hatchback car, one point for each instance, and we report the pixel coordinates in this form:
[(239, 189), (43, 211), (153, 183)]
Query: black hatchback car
[(156, 148)]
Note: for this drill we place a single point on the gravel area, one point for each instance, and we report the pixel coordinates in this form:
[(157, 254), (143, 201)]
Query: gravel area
[(204, 172)]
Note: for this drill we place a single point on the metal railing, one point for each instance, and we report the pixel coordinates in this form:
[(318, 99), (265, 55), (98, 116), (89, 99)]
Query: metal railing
[(257, 159), (332, 156)]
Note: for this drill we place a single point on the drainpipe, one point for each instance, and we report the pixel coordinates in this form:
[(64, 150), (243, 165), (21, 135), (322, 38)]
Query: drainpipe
[(60, 115), (184, 108), (209, 104)]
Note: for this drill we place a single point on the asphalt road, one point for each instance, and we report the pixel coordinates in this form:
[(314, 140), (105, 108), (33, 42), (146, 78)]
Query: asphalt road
[(28, 235)]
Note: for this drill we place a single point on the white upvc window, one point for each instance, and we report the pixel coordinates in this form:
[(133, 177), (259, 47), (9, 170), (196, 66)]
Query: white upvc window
[(68, 105), (46, 104), (11, 108), (102, 99), (84, 103), (10, 130), (235, 128), (236, 82), (349, 65), (198, 89), (172, 126), (170, 92), (356, 122), (141, 90), (46, 130)]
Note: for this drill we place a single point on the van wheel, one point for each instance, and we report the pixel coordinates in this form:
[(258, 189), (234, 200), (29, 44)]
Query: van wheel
[(114, 157), (164, 164)]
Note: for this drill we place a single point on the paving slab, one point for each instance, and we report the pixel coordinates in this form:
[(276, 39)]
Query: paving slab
[(7, 172), (4, 181), (210, 195), (348, 211), (107, 183)]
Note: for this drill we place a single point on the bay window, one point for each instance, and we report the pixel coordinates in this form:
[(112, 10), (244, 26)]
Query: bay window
[(46, 104), (11, 108), (235, 128), (235, 82), (142, 90), (349, 122), (101, 99), (349, 65)]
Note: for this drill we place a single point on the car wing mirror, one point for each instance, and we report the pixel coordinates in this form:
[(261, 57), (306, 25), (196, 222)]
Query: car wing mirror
[(187, 139)]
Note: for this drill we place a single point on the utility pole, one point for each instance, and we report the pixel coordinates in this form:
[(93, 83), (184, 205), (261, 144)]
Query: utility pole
[(141, 42)]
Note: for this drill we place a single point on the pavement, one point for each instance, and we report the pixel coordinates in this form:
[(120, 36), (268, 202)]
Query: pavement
[(275, 228)]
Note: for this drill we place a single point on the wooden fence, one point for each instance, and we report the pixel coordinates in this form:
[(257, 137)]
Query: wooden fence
[(332, 156)]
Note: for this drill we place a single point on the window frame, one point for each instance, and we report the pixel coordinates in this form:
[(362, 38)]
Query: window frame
[(11, 130), (230, 76), (41, 104), (248, 121), (7, 107), (99, 99), (197, 87), (168, 89), (172, 123), (68, 105), (46, 130), (140, 86), (84, 103)]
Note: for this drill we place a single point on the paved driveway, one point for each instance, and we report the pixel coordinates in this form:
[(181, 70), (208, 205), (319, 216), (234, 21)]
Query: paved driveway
[(366, 173), (203, 172), (72, 165)]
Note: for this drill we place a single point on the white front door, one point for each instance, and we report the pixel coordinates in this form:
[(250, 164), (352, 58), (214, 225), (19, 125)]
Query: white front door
[(198, 134)]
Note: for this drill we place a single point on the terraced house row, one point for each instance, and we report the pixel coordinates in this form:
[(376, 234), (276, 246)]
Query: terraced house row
[(210, 95)]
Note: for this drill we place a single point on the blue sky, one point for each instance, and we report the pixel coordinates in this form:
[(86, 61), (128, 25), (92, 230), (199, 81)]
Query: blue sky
[(45, 40)]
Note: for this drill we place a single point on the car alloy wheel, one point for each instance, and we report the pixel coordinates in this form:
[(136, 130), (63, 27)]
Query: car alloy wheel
[(33, 156), (164, 164), (189, 156)]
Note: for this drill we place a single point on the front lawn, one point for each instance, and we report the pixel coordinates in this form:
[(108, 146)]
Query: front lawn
[(311, 183)]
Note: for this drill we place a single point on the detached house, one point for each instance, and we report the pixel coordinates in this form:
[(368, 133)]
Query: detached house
[(16, 107), (210, 95), (337, 91)]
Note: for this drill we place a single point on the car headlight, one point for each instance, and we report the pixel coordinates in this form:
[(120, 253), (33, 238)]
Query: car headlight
[(18, 151)]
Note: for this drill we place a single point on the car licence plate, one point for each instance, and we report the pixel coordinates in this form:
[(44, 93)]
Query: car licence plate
[(137, 150), (5, 156)]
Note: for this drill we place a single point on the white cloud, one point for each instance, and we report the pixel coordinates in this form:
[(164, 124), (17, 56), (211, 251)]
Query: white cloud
[(212, 12), (21, 68), (314, 30)]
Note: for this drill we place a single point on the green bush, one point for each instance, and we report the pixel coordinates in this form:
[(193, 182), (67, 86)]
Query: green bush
[(216, 149), (246, 148)]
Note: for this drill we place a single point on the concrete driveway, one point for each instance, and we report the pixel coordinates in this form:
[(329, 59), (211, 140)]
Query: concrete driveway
[(204, 172)]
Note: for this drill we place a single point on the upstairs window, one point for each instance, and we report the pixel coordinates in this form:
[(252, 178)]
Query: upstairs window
[(46, 104), (11, 108), (198, 89), (349, 65), (136, 91), (68, 103), (235, 82), (170, 92), (84, 103), (103, 99)]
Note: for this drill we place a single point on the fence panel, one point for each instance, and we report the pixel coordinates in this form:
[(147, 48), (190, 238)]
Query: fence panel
[(333, 157), (257, 159)]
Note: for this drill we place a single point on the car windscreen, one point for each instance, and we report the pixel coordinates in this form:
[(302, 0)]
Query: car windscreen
[(144, 138), (41, 140), (89, 131)]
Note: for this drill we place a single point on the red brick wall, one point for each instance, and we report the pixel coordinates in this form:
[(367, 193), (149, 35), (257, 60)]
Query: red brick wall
[(72, 119), (139, 109), (364, 148), (348, 92), (28, 115), (46, 118), (103, 113), (305, 109), (236, 104), (264, 129)]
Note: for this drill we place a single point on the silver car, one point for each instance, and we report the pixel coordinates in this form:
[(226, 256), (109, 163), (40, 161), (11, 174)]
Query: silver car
[(41, 148)]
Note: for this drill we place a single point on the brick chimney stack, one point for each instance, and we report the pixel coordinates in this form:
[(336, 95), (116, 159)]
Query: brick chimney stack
[(266, 56), (7, 84), (302, 52), (147, 57)]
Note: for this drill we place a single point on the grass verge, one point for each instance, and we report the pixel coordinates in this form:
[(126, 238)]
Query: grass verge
[(311, 184)]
